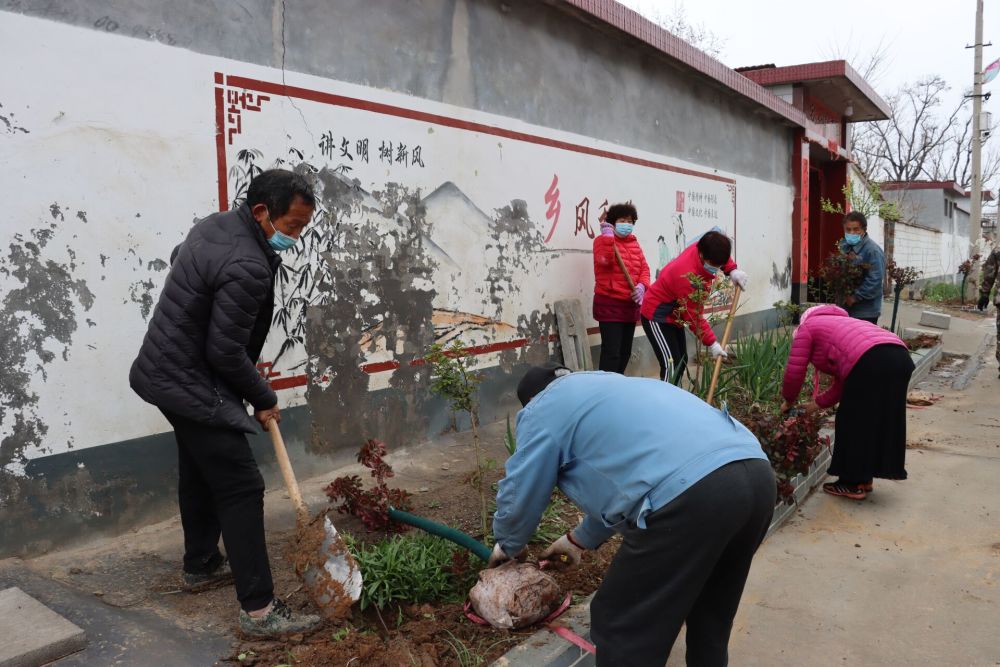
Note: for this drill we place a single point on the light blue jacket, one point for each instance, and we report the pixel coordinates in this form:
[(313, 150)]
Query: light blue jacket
[(868, 296), (618, 447)]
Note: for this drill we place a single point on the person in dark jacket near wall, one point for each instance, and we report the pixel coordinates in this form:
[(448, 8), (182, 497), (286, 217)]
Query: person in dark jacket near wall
[(197, 364), (865, 302)]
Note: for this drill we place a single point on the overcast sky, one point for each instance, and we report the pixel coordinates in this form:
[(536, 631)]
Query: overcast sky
[(924, 36)]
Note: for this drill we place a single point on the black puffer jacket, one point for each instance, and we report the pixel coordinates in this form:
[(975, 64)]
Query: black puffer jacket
[(199, 356)]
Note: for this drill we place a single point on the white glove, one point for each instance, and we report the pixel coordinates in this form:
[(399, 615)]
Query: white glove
[(563, 553), (740, 278), (717, 351), (499, 556)]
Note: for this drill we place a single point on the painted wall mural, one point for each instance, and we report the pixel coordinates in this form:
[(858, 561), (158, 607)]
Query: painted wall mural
[(485, 225), (435, 222)]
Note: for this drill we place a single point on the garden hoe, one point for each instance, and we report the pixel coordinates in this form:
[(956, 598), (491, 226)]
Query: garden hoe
[(321, 558), (725, 342)]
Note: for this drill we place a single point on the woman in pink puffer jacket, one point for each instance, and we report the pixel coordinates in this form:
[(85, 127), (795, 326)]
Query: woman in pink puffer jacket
[(871, 370)]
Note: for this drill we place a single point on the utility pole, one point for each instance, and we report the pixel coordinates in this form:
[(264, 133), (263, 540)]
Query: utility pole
[(976, 214)]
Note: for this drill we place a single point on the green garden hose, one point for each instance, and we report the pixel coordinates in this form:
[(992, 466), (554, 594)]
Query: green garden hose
[(434, 528)]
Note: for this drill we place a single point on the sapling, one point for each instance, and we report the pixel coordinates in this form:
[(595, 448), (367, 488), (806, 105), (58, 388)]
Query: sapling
[(453, 379)]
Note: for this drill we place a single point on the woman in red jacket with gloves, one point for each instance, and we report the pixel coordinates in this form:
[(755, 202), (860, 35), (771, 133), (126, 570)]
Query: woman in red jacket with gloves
[(668, 306), (616, 305)]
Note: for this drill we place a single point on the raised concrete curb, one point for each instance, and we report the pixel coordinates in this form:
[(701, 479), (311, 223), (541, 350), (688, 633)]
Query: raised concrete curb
[(924, 361), (34, 634), (973, 365)]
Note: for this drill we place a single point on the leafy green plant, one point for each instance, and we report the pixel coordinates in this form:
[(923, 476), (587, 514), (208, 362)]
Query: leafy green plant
[(413, 568), (788, 312), (867, 200), (700, 377), (452, 378), (760, 365), (942, 293), (509, 441)]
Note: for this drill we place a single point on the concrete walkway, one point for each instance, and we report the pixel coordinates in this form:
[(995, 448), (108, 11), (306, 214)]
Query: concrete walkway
[(910, 576)]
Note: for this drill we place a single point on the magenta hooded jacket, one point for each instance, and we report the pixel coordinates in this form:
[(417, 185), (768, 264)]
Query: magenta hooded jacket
[(832, 341)]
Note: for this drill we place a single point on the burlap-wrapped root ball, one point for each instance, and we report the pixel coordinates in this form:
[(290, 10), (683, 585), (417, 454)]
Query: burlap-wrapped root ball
[(514, 595)]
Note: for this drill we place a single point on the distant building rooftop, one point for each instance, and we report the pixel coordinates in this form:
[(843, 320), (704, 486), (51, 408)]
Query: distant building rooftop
[(834, 83)]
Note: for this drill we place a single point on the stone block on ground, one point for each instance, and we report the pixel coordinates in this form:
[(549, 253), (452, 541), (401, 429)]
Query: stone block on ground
[(34, 634), (910, 333), (929, 318)]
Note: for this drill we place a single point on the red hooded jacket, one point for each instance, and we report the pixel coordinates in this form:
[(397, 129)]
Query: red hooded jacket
[(673, 289), (612, 295)]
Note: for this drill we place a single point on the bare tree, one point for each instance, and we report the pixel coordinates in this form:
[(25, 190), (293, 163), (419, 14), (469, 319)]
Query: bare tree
[(872, 64), (697, 35), (904, 147), (920, 142), (954, 161)]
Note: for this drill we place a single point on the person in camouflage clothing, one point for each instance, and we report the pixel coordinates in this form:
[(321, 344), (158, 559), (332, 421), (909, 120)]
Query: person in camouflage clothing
[(990, 269)]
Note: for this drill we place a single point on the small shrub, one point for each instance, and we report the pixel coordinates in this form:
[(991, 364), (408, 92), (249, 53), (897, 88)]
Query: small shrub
[(372, 505), (791, 444), (942, 293), (760, 364), (414, 568), (453, 378), (837, 278)]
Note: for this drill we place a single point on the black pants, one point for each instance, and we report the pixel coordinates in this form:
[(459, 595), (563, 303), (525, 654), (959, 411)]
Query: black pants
[(873, 320), (221, 491), (670, 347), (870, 430), (616, 345), (689, 564)]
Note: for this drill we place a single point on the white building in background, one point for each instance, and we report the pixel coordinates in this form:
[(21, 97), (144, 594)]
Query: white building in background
[(933, 235)]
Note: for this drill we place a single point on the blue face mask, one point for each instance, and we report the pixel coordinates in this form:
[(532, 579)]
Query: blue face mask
[(711, 269), (623, 229), (280, 241), (852, 239)]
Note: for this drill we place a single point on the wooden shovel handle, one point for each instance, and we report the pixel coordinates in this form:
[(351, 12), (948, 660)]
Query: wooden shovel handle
[(621, 263), (287, 473), (725, 341)]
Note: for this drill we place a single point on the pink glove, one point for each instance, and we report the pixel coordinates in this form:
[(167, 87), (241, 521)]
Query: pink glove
[(607, 229), (639, 293)]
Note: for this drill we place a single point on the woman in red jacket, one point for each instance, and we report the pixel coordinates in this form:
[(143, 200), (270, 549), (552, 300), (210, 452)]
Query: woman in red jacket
[(668, 306), (616, 305)]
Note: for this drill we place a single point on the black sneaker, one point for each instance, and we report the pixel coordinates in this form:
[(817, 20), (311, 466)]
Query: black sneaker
[(277, 622), (213, 577)]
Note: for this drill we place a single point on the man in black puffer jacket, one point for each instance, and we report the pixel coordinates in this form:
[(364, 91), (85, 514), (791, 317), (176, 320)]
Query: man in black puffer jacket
[(197, 364)]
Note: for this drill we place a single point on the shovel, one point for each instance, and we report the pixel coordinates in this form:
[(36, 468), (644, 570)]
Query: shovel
[(725, 341), (321, 558)]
